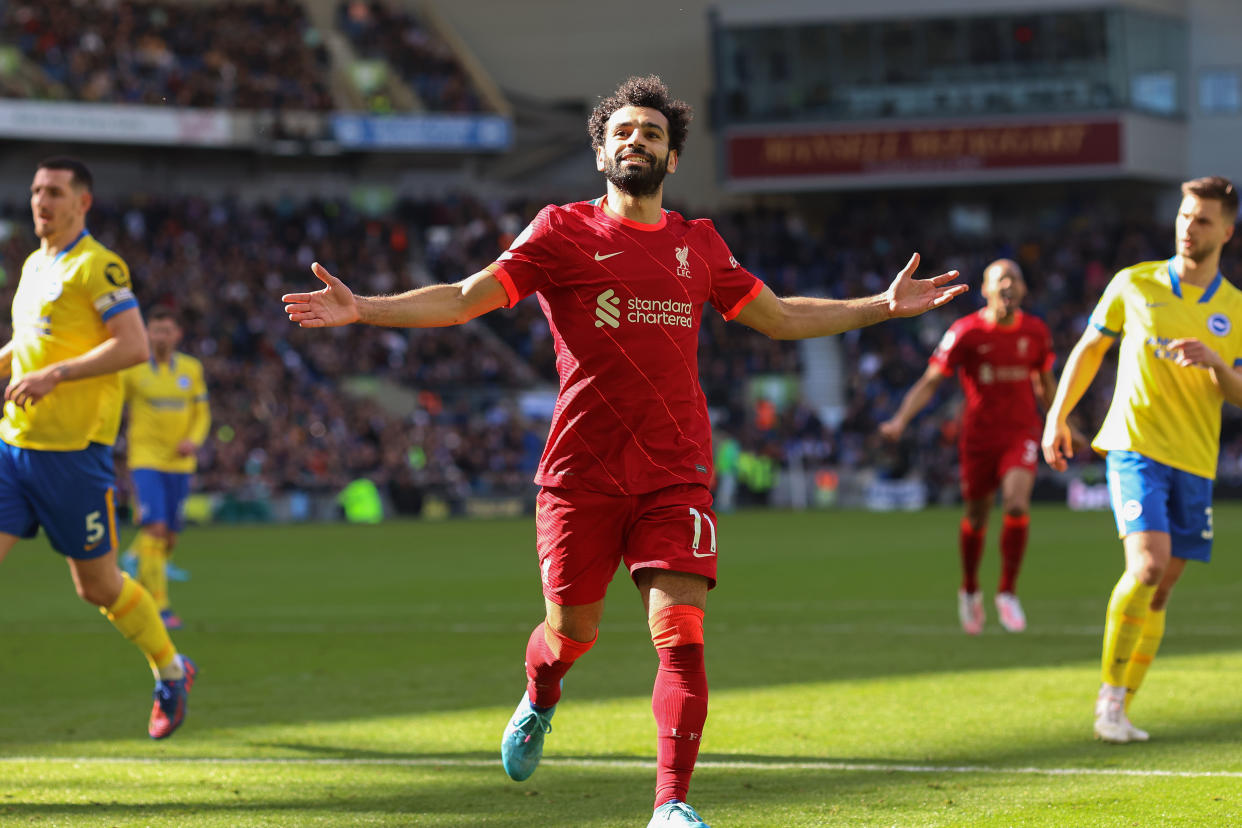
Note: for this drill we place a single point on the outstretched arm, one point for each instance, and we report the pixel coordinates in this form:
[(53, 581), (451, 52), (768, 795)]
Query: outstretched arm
[(434, 306), (802, 317), (1080, 369), (915, 400)]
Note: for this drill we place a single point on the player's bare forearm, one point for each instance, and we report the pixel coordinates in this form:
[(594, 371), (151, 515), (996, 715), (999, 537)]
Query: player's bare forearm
[(108, 357), (1194, 353), (1045, 388), (919, 395), (434, 306), (1229, 381), (1081, 367), (126, 346), (804, 317), (6, 360)]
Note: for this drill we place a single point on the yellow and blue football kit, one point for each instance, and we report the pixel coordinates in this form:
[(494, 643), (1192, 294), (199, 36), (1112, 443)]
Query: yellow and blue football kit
[(1162, 411), (167, 405), (55, 454), (1161, 438), (55, 464)]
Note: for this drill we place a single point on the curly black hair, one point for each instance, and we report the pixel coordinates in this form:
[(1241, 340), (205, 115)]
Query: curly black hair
[(647, 92)]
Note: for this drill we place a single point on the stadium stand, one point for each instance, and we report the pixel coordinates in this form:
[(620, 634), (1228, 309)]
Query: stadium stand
[(257, 55), (419, 56)]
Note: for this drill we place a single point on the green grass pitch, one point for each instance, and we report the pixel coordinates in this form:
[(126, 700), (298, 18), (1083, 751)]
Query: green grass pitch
[(362, 676)]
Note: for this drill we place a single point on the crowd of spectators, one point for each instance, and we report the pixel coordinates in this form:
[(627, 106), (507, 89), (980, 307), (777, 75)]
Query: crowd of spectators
[(379, 30), (229, 54), (443, 412)]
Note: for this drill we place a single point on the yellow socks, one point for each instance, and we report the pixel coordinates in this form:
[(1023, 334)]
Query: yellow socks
[(152, 563), (1144, 652), (1127, 612), (134, 613)]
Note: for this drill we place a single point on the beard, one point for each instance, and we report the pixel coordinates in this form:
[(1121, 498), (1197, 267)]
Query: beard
[(638, 182), (1201, 252)]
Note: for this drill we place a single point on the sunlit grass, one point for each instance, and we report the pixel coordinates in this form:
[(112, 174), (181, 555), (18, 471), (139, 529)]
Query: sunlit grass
[(372, 669)]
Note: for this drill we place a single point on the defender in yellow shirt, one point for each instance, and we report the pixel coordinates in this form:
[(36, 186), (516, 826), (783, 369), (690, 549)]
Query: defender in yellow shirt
[(1180, 325), (76, 323), (168, 421)]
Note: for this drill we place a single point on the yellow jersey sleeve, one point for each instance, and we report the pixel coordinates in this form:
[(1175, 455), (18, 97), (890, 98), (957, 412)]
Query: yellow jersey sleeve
[(1109, 316)]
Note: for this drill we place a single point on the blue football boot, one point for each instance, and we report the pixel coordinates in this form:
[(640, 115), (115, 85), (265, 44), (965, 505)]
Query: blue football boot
[(674, 814), (521, 748), (170, 700)]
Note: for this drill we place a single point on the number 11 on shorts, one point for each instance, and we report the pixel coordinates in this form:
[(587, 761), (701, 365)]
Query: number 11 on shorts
[(699, 517)]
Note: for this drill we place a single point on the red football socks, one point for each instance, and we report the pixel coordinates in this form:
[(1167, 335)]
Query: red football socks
[(547, 664), (970, 544), (679, 699), (1013, 548)]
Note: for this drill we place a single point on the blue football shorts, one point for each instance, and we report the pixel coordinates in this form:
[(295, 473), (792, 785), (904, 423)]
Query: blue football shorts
[(161, 497), (71, 494), (1148, 496)]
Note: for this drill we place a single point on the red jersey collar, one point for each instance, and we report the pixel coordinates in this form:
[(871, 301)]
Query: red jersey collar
[(601, 204), (992, 326)]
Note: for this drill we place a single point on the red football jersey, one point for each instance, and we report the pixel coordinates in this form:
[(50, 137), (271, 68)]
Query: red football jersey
[(624, 301), (994, 364)]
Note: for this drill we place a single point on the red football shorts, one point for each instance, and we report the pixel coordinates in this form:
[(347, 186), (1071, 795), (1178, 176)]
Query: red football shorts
[(582, 537), (983, 468)]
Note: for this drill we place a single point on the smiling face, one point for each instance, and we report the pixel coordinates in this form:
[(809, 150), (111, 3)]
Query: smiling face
[(635, 155), (1202, 228), (58, 206)]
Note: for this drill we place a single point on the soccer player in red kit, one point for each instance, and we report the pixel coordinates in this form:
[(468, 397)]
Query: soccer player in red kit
[(1003, 357), (624, 475)]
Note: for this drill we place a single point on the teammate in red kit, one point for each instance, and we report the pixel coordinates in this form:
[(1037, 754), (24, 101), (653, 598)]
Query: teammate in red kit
[(1003, 358), (624, 475)]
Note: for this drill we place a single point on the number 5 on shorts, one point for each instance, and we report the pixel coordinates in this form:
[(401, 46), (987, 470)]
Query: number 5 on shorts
[(94, 527), (699, 517)]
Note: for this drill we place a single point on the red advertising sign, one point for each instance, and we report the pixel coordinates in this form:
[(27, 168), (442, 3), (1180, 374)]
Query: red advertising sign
[(934, 149)]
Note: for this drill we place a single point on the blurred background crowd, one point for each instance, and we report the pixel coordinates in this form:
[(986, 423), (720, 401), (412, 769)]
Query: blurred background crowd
[(447, 411), (457, 414)]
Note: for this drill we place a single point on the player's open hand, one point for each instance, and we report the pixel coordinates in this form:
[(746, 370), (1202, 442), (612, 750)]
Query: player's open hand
[(1193, 352), (328, 308), (908, 296), (1058, 444)]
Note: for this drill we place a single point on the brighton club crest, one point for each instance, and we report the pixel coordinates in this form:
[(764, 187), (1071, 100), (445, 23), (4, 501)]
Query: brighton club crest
[(1219, 324)]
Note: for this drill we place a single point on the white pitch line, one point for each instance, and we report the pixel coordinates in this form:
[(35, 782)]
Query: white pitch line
[(639, 764)]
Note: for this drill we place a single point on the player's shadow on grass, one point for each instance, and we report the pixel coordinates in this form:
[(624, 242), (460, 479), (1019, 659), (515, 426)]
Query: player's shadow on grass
[(340, 752), (1054, 749)]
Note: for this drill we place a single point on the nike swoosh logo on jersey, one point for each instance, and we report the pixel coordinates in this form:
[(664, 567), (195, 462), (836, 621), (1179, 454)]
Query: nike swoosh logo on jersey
[(1155, 304), (600, 258), (702, 554)]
